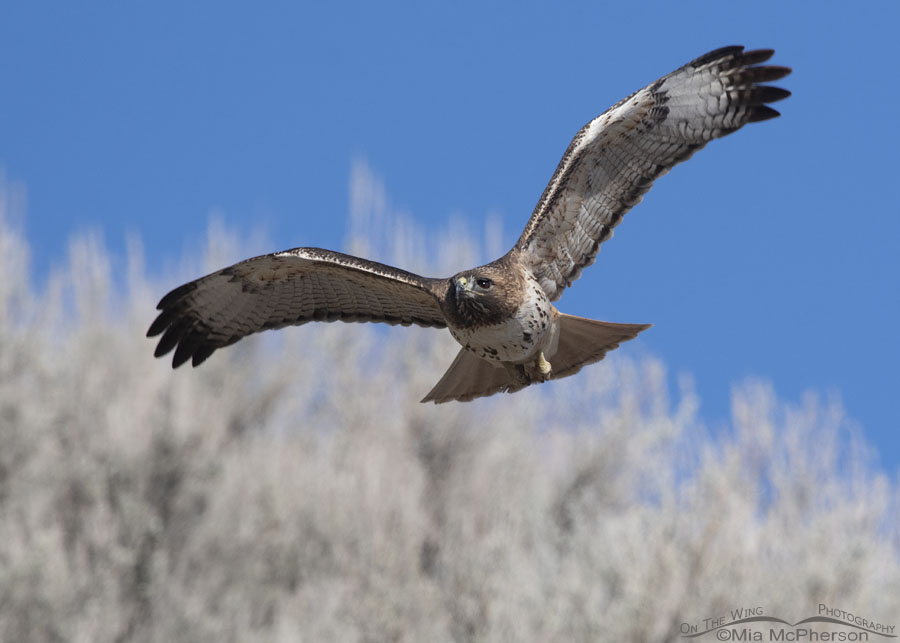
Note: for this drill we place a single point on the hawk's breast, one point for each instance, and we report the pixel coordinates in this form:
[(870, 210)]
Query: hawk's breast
[(518, 338)]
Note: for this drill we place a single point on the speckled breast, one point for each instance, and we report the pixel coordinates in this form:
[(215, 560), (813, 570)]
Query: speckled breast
[(517, 339)]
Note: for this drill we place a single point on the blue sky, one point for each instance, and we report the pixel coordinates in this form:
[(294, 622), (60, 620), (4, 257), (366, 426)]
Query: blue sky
[(772, 253)]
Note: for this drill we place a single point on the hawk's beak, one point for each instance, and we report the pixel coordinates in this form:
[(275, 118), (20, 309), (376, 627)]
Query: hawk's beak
[(462, 286)]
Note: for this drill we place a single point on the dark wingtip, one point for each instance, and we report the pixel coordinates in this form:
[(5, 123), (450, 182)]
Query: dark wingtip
[(756, 56), (768, 94), (775, 72), (158, 325), (749, 76), (762, 113), (201, 354), (183, 352), (716, 54), (172, 296), (170, 339), (179, 360)]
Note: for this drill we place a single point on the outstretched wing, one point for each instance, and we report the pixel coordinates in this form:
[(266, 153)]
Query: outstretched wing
[(288, 288), (615, 158)]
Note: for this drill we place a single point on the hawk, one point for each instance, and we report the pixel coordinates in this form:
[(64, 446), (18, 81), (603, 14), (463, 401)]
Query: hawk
[(501, 313)]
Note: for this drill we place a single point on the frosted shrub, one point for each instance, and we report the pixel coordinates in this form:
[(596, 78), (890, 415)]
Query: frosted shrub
[(293, 488)]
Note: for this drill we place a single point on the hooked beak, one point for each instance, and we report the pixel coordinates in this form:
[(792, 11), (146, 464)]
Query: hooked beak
[(463, 287)]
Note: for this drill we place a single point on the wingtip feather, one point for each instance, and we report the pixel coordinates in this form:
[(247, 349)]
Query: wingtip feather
[(767, 94), (756, 56), (202, 354), (159, 324), (716, 54), (763, 113)]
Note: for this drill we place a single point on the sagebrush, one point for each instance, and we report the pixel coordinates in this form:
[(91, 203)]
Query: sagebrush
[(293, 488)]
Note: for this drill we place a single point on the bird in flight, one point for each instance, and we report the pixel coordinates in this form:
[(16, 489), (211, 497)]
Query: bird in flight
[(502, 313)]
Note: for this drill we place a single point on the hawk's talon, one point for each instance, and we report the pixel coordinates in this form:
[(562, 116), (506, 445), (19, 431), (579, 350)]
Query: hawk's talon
[(543, 366)]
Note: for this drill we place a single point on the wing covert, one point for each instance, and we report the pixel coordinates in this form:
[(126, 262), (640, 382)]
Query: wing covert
[(288, 288), (614, 159)]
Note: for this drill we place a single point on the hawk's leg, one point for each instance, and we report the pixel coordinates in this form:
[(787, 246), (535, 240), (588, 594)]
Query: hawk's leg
[(541, 367), (538, 369)]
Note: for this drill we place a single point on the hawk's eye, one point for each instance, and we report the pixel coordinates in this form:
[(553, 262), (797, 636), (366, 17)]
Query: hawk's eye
[(484, 283)]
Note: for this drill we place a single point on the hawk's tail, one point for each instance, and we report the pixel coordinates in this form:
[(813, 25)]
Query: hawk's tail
[(581, 342)]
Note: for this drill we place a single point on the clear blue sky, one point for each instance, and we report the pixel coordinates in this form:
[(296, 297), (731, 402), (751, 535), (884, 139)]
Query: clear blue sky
[(773, 253)]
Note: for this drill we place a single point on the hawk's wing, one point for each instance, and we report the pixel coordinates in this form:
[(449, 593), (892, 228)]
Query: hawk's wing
[(615, 158), (289, 288)]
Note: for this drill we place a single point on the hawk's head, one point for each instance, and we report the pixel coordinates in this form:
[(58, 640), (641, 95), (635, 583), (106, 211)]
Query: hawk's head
[(484, 296)]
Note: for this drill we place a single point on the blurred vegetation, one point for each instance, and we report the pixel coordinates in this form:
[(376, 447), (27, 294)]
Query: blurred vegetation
[(293, 488)]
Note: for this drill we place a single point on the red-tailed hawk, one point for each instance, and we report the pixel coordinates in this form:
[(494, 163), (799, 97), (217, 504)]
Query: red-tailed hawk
[(501, 313)]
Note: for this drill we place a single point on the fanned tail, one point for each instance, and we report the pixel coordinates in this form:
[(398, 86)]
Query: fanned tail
[(584, 341), (581, 342), (469, 377)]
